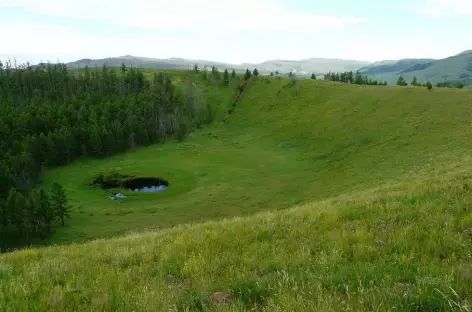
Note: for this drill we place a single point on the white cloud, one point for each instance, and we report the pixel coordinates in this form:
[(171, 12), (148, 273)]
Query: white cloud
[(437, 8), (202, 16), (224, 30)]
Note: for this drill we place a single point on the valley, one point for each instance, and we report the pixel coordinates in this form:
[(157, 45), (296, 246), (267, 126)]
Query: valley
[(309, 194)]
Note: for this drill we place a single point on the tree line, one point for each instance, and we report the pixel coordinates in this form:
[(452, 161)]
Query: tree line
[(30, 215), (415, 83), (50, 115), (353, 78)]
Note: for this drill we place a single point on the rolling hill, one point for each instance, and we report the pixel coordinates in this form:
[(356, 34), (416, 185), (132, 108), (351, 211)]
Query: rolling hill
[(454, 68), (308, 66), (310, 196), (394, 67)]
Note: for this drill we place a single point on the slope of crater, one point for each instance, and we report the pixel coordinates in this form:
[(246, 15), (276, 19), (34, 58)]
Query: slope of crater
[(283, 145)]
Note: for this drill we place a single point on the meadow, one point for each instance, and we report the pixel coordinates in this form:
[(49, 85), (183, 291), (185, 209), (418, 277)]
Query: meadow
[(310, 196), (282, 146)]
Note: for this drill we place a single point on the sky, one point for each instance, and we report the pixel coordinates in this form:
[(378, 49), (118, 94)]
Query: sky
[(234, 31)]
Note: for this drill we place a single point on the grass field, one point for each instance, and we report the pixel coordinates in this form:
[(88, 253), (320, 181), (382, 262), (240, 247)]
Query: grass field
[(399, 247), (281, 147), (378, 178)]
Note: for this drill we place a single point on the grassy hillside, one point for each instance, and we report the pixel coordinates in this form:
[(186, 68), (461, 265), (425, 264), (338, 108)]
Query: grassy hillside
[(401, 247), (318, 66), (282, 146), (394, 67), (380, 181), (458, 67)]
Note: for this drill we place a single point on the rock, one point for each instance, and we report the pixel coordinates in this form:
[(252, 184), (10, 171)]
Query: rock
[(220, 297), (379, 243), (100, 300), (468, 231), (402, 287), (465, 273), (54, 301)]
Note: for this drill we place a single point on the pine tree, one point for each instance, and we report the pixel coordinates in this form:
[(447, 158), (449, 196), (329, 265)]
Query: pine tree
[(429, 85), (233, 74), (350, 77), (290, 74), (276, 72), (248, 74), (358, 79), (401, 81), (255, 72), (215, 73), (123, 68), (271, 74), (414, 82), (3, 220), (3, 214), (226, 78), (313, 76), (45, 211), (195, 68), (16, 204), (59, 202)]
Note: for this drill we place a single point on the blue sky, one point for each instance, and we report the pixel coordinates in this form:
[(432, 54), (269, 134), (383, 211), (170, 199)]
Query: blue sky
[(234, 31)]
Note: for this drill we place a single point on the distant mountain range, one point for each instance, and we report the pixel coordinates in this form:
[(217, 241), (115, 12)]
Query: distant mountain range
[(454, 68), (301, 67)]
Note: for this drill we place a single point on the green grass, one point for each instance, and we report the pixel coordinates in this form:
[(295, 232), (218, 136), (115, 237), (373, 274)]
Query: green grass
[(379, 181), (400, 247), (281, 147)]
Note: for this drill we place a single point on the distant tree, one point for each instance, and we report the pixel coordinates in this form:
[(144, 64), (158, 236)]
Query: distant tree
[(350, 77), (226, 78), (59, 202), (401, 81), (45, 210), (15, 203), (233, 74), (290, 74), (255, 72), (123, 68), (313, 76), (215, 73), (359, 79), (271, 74), (429, 85), (414, 82), (195, 68), (277, 73), (248, 74), (3, 218)]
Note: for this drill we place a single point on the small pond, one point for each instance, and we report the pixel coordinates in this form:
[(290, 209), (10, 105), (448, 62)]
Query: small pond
[(146, 184), (114, 180)]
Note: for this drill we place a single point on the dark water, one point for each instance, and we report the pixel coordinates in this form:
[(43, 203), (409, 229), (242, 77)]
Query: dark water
[(139, 184)]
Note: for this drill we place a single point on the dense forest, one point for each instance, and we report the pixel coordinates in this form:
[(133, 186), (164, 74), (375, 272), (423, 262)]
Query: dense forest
[(50, 115)]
